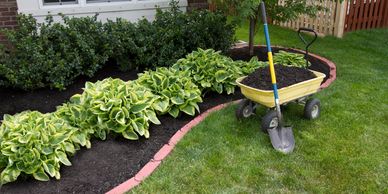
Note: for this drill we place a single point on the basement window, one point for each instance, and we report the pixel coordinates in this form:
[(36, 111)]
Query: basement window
[(59, 2), (104, 1)]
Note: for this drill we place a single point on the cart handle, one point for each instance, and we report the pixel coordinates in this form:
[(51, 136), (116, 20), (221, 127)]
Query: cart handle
[(307, 44)]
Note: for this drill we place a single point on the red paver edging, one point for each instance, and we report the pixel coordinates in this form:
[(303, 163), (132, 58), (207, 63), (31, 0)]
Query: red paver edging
[(164, 152)]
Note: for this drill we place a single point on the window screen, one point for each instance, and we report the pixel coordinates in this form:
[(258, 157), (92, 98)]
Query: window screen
[(59, 2), (99, 1)]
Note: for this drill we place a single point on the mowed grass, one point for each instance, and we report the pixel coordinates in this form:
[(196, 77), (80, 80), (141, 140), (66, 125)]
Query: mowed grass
[(344, 151)]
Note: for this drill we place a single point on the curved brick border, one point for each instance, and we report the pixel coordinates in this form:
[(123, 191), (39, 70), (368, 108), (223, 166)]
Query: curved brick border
[(330, 64), (164, 152)]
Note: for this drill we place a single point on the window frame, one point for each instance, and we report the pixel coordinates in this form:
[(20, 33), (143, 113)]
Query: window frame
[(76, 2), (106, 1)]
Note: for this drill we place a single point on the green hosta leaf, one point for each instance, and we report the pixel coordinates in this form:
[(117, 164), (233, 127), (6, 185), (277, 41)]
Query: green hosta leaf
[(139, 125), (49, 168), (120, 118), (47, 150), (107, 106), (221, 75), (174, 112), (130, 134), (177, 100), (218, 88), (80, 139), (138, 107), (9, 174), (69, 147), (197, 77), (229, 89), (188, 109), (206, 84), (41, 175), (161, 105), (57, 175), (59, 138), (76, 99), (61, 156), (195, 105), (101, 134), (152, 117), (88, 144), (25, 138)]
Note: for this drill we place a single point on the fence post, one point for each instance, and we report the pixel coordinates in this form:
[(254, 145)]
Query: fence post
[(339, 25)]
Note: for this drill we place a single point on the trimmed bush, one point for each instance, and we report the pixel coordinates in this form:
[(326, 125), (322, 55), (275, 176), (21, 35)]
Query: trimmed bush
[(54, 54)]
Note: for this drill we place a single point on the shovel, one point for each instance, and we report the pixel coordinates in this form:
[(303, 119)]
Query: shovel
[(282, 138)]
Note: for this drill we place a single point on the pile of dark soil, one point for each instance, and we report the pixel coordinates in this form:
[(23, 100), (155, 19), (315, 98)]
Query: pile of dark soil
[(261, 52), (285, 76)]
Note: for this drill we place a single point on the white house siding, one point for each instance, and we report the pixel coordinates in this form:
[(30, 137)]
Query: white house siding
[(130, 10)]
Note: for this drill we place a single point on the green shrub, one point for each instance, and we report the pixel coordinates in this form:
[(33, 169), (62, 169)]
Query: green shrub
[(53, 54), (290, 59), (123, 39), (175, 89), (112, 105), (37, 144), (174, 33)]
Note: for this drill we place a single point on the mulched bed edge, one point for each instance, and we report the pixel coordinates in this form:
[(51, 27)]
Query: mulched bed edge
[(153, 164)]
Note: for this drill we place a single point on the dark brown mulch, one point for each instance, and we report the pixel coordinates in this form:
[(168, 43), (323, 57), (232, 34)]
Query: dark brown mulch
[(285, 76)]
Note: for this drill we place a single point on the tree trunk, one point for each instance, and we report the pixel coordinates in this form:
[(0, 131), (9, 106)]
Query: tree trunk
[(252, 25)]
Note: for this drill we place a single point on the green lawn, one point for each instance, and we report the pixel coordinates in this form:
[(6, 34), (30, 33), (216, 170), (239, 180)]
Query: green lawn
[(344, 151)]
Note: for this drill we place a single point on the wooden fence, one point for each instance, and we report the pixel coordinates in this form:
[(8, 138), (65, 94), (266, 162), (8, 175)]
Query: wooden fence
[(343, 17), (366, 14), (327, 22)]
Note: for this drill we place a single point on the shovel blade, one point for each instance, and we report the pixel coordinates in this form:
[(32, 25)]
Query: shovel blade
[(282, 139)]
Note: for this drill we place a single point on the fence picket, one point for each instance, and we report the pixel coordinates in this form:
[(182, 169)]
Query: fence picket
[(342, 17)]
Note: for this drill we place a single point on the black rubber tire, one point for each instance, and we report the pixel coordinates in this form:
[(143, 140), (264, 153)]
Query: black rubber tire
[(244, 109), (267, 119), (312, 109)]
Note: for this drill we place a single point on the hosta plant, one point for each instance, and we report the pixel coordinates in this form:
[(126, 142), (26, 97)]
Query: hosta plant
[(112, 105), (175, 89), (36, 144), (210, 70), (290, 59), (249, 67)]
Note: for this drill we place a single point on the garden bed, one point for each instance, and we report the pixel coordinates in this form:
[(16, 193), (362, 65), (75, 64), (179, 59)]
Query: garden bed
[(111, 162)]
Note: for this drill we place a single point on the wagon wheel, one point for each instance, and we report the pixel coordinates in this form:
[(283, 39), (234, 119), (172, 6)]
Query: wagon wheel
[(269, 121), (245, 109), (312, 109)]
